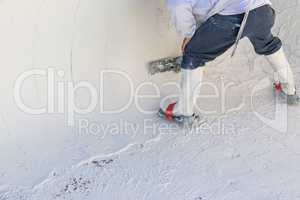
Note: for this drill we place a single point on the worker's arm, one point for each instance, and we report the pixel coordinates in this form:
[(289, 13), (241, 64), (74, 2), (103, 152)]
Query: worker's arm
[(182, 16)]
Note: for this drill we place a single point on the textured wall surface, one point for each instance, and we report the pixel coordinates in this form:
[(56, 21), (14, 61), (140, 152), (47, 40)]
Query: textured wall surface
[(81, 38)]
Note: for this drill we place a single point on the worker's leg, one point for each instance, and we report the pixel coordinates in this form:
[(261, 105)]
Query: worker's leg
[(211, 40), (258, 29)]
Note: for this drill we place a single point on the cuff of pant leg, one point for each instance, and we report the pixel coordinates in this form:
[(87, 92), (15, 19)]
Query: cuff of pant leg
[(191, 63), (271, 48)]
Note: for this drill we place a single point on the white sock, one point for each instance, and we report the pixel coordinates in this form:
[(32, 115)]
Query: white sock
[(283, 71), (190, 81)]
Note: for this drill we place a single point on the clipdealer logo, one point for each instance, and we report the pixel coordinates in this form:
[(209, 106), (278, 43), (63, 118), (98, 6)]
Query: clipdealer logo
[(61, 96)]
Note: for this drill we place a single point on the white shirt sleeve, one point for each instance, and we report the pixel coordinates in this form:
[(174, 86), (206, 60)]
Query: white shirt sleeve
[(182, 16)]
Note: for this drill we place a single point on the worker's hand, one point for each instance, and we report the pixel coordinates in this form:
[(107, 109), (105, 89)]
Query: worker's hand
[(184, 43)]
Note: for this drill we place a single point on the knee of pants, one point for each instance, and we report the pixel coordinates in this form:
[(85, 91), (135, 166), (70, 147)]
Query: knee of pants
[(266, 46)]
